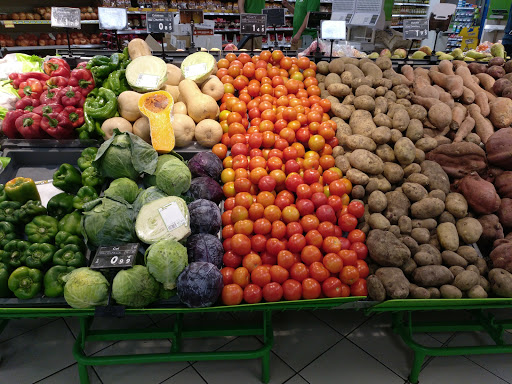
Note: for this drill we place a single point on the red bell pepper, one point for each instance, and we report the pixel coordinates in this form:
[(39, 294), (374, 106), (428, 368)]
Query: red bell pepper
[(74, 115), (82, 78), (48, 108), (57, 125), (9, 124), (18, 78), (29, 125), (31, 88), (27, 104), (83, 64), (71, 96), (56, 67), (51, 96), (57, 82)]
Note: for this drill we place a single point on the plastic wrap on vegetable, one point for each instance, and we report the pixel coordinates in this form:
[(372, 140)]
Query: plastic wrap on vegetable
[(18, 63)]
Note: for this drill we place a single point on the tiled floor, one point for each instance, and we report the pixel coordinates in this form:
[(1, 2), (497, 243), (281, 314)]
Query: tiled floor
[(310, 347)]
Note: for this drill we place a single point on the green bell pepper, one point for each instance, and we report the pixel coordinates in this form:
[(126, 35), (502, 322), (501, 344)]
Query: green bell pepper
[(83, 196), (92, 177), (4, 278), (71, 223), (29, 210), (9, 211), (53, 283), (3, 195), (86, 158), (7, 233), (101, 103), (67, 178), (22, 189), (117, 82), (42, 229), (64, 238), (59, 205), (25, 283), (14, 253), (69, 256), (39, 254), (97, 60)]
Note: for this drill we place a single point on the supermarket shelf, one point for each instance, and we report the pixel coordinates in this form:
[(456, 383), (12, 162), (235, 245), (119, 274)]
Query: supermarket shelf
[(133, 32), (50, 47), (269, 30), (416, 16), (416, 5), (396, 27), (465, 8), (25, 22), (287, 45), (205, 13)]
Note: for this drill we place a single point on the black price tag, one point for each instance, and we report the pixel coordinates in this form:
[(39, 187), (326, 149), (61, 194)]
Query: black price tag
[(112, 18), (66, 17), (115, 256), (253, 24), (415, 29), (159, 22), (315, 18), (275, 16)]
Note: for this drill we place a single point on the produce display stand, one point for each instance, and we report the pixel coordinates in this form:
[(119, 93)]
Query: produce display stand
[(404, 325)]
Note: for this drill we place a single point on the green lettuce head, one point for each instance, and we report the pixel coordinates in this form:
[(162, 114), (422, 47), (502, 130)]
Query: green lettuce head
[(165, 261), (85, 288), (135, 287)]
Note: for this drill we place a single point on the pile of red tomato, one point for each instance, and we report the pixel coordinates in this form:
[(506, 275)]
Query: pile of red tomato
[(289, 228)]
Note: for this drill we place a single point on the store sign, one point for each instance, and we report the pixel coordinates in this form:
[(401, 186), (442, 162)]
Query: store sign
[(66, 18), (159, 22), (188, 16), (275, 16), (333, 29), (253, 24), (114, 19), (315, 19), (415, 29), (115, 256), (469, 38)]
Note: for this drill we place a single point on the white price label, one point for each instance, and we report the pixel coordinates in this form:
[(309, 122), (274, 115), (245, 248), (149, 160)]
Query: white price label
[(195, 70), (147, 81), (172, 216)]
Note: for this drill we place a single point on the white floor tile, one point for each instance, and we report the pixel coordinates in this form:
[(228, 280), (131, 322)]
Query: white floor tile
[(456, 370), (138, 373), (187, 376), (37, 353), (300, 337), (17, 327), (242, 371), (342, 320), (297, 379), (378, 339), (70, 375), (346, 363)]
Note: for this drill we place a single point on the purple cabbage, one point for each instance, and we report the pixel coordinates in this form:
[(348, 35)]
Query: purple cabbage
[(205, 187), (205, 247), (205, 164), (204, 217), (199, 285)]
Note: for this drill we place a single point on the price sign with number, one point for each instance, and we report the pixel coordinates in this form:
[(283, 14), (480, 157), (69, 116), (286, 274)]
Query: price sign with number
[(275, 16), (115, 256), (112, 18), (66, 17), (253, 24), (159, 22), (415, 29)]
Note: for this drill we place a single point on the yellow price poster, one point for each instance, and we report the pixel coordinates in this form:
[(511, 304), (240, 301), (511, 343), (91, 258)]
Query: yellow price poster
[(469, 38)]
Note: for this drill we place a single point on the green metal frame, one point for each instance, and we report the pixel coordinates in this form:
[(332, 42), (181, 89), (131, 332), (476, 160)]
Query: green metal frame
[(405, 327)]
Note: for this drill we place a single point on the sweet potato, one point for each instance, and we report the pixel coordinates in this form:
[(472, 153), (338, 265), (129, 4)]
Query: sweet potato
[(468, 96), (484, 128), (500, 85), (496, 71), (501, 112), (465, 129), (505, 213), (491, 228), (459, 159), (458, 115), (486, 81), (408, 72), (427, 102), (482, 100), (503, 184), (480, 194), (451, 83), (498, 148)]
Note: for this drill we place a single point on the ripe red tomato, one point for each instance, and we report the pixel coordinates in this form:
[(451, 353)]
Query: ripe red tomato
[(347, 222), (292, 229), (232, 294), (292, 290), (314, 237), (338, 188), (326, 213), (278, 230), (272, 292), (333, 262), (258, 243), (349, 257), (359, 288), (360, 249), (332, 287), (310, 254), (305, 207), (252, 294), (326, 228), (356, 208), (241, 277), (274, 246), (363, 269), (349, 274), (319, 198), (251, 261), (293, 180), (356, 236), (240, 244), (285, 259), (311, 289), (318, 271), (296, 242), (299, 272), (279, 274), (227, 275), (261, 276), (230, 259)]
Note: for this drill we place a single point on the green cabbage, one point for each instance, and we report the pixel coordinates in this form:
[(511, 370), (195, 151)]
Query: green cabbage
[(85, 288), (123, 188), (198, 66), (146, 73), (150, 180), (165, 260), (147, 196), (174, 178), (135, 287)]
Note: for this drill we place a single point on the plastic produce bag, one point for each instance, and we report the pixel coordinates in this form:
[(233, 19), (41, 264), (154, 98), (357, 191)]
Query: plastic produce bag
[(18, 63)]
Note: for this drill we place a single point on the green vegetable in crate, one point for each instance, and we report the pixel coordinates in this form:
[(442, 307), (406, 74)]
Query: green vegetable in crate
[(67, 178), (92, 177), (97, 61), (135, 287), (147, 196), (22, 189), (150, 180), (39, 254), (83, 196), (87, 157), (29, 210), (101, 103), (4, 278), (9, 211), (42, 229), (53, 280), (3, 195), (25, 283), (174, 178), (85, 288), (7, 233), (64, 238), (71, 223), (117, 82), (69, 256), (59, 205), (165, 261), (14, 253), (123, 188), (90, 128)]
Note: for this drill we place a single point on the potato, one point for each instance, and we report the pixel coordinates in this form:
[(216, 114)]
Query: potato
[(432, 276), (404, 151), (398, 205), (336, 66), (377, 201), (411, 168), (421, 235), (393, 172), (473, 138), (382, 134), (438, 179), (401, 120), (342, 111), (342, 163), (468, 253), (332, 78), (469, 229), (365, 90), (405, 224), (419, 156), (364, 102), (452, 259), (380, 91), (357, 177), (339, 90), (446, 217), (385, 249), (409, 266), (347, 78), (501, 282), (348, 100), (416, 292), (477, 292), (386, 153), (355, 71), (376, 290), (360, 142), (371, 69), (358, 192), (395, 230), (466, 280), (413, 191), (381, 107), (450, 292), (426, 144), (434, 292), (414, 130), (455, 269), (337, 151), (323, 67), (378, 221), (383, 62), (473, 268), (430, 224), (419, 178), (484, 283), (448, 237), (394, 281), (427, 208), (481, 265), (406, 103), (366, 161)]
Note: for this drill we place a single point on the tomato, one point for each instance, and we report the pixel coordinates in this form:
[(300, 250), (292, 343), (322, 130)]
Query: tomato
[(332, 287), (291, 166), (311, 176), (318, 271), (258, 243), (230, 259), (220, 150), (251, 261), (293, 229), (347, 222), (359, 288), (261, 276), (272, 292), (227, 275), (356, 236), (360, 249), (292, 290), (241, 244), (309, 222), (285, 259), (242, 185), (279, 274), (256, 211), (303, 63), (316, 142), (299, 272), (338, 188), (262, 227), (278, 230), (293, 180), (326, 229), (349, 274), (290, 214), (310, 254), (297, 242), (252, 294), (331, 244), (241, 276), (226, 218), (326, 213), (363, 269), (267, 183), (229, 203), (348, 256), (333, 262), (272, 213), (311, 289), (239, 213), (319, 199), (228, 231), (268, 259), (232, 294), (274, 246)]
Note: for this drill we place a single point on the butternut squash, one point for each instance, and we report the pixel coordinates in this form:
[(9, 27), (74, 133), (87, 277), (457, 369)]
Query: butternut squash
[(141, 129), (199, 106), (208, 133), (184, 129), (157, 106), (174, 75), (109, 125), (137, 48), (128, 102), (180, 108), (173, 91), (213, 87)]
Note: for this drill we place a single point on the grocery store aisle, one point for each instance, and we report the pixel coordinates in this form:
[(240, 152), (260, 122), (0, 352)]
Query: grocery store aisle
[(310, 347)]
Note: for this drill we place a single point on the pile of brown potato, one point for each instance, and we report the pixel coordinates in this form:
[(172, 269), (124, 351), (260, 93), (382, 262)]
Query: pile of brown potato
[(420, 224)]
